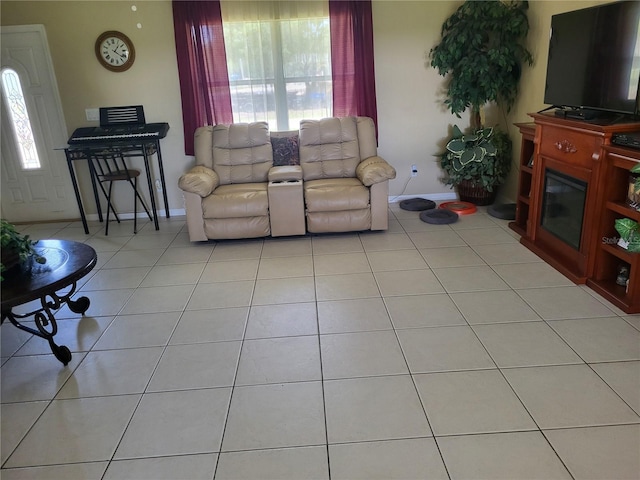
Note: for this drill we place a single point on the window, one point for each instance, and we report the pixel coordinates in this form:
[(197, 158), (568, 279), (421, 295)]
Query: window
[(346, 56), (12, 90), (279, 61)]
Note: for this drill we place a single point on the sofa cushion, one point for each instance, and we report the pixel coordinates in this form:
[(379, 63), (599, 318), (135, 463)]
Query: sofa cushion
[(237, 201), (242, 152), (227, 228), (335, 194), (329, 148), (240, 135), (343, 221), (285, 148)]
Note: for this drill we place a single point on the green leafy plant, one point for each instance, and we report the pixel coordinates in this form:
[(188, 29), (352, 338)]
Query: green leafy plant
[(629, 231), (636, 169), (15, 245), (483, 157), (481, 54)]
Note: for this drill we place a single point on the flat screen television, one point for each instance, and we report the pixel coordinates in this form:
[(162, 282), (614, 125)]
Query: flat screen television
[(594, 61)]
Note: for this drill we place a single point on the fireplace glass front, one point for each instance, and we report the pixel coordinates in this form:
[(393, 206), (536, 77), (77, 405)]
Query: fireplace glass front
[(563, 206)]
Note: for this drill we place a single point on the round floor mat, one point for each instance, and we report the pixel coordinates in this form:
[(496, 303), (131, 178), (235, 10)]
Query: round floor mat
[(459, 207), (506, 211), (439, 216), (417, 204)]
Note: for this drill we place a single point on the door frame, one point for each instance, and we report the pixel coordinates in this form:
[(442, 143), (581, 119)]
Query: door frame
[(59, 135)]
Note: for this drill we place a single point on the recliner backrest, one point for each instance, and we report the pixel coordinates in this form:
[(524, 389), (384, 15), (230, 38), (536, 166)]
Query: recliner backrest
[(239, 153), (367, 137), (329, 148)]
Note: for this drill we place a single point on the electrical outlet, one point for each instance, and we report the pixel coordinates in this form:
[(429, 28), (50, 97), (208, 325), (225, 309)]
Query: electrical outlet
[(414, 170), (158, 185), (93, 114)]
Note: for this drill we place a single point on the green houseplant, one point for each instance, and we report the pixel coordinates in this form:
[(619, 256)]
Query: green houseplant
[(636, 169), (633, 197), (482, 157), (636, 185), (16, 248), (629, 231), (480, 54)]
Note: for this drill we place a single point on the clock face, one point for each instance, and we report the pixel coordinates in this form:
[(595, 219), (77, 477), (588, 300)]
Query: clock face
[(115, 51)]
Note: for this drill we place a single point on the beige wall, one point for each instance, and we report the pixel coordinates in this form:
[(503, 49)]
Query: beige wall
[(533, 78), (412, 120), (72, 28), (413, 123)]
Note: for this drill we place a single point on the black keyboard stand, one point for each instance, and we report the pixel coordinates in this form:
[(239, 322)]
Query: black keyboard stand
[(139, 147)]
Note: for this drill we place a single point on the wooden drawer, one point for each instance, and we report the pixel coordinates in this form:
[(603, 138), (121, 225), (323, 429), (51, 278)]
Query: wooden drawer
[(570, 146)]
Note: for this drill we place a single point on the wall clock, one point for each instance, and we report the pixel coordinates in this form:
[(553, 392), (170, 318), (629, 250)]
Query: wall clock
[(115, 51)]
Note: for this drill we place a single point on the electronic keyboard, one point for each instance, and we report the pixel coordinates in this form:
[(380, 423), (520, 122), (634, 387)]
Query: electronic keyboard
[(118, 133)]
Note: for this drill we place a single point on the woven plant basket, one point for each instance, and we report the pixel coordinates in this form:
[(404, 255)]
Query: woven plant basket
[(468, 191)]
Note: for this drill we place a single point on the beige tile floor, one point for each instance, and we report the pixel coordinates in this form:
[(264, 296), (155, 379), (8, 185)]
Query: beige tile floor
[(422, 352)]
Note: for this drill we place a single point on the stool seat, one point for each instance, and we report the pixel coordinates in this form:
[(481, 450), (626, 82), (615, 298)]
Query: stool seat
[(121, 175)]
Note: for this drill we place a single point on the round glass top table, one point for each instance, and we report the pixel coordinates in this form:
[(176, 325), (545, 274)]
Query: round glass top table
[(53, 284)]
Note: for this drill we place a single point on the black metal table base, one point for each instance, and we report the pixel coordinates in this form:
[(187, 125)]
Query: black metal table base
[(128, 148), (45, 321)]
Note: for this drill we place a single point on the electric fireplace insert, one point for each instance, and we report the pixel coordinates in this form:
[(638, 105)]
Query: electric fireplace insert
[(563, 207)]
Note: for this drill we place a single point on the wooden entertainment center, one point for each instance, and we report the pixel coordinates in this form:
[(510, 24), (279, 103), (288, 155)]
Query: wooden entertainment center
[(574, 161)]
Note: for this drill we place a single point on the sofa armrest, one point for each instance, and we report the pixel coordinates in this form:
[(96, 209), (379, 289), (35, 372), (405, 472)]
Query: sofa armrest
[(199, 180), (285, 173), (374, 170)]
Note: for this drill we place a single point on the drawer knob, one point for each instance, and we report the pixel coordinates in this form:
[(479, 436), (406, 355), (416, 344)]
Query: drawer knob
[(566, 146)]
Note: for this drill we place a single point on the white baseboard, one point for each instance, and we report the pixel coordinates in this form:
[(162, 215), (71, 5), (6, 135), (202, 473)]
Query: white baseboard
[(173, 212), (180, 212), (436, 197)]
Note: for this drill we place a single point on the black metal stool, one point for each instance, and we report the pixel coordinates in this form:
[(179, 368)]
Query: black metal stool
[(111, 167)]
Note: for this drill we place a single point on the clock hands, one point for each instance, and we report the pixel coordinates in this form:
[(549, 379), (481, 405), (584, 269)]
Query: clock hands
[(114, 51), (118, 53)]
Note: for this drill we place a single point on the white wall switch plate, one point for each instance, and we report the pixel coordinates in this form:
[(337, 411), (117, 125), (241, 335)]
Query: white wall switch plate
[(93, 114)]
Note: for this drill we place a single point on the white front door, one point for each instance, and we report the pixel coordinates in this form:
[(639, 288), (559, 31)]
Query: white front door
[(36, 185)]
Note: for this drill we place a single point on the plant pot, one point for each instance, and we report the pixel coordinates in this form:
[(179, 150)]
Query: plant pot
[(11, 262), (471, 192), (10, 257)]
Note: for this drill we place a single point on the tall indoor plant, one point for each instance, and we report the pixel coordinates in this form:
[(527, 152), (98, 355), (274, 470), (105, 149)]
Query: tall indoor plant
[(480, 54)]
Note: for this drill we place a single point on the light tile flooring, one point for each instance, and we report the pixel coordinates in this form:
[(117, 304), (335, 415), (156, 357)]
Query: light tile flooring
[(422, 352)]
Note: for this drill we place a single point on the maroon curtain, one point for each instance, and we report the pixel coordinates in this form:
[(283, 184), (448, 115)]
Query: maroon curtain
[(354, 84), (202, 66)]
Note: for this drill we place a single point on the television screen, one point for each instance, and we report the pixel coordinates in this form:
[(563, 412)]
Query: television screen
[(594, 58)]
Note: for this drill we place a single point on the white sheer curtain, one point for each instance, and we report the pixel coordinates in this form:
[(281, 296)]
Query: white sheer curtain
[(279, 61)]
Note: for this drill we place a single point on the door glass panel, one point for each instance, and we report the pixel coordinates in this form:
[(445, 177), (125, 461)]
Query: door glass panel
[(12, 90)]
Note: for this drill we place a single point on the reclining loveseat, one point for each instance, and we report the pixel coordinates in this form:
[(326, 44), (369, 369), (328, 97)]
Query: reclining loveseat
[(236, 191)]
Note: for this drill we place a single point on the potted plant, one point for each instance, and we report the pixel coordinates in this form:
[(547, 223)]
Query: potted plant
[(633, 198), (16, 249), (480, 53), (629, 231), (482, 159)]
